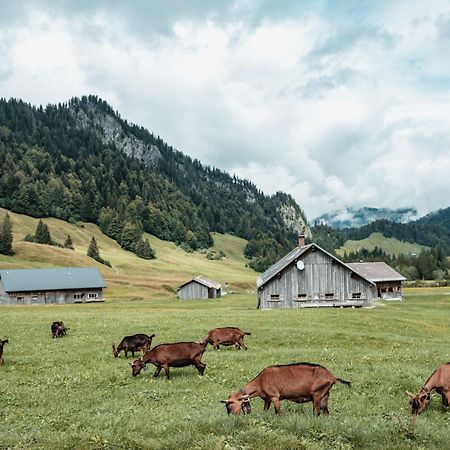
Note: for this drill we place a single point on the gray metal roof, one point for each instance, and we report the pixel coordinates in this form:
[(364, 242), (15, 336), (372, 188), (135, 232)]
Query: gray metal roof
[(376, 271), (25, 280), (290, 257), (204, 281)]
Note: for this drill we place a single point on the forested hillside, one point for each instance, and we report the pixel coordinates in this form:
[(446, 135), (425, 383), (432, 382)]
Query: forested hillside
[(431, 231), (81, 161)]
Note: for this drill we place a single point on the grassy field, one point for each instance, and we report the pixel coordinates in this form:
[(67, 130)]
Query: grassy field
[(71, 393), (391, 246)]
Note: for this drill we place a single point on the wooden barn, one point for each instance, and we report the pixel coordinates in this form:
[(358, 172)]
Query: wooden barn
[(387, 280), (199, 287), (309, 276), (51, 286)]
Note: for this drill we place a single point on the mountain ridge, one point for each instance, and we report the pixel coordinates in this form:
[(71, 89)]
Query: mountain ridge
[(81, 161), (357, 217)]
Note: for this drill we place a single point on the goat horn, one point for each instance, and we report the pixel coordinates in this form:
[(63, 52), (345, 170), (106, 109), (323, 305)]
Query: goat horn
[(223, 401), (409, 394)]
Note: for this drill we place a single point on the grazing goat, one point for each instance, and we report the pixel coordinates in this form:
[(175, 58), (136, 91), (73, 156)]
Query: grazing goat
[(439, 381), (134, 343), (58, 329), (226, 336), (2, 343), (298, 382), (180, 354)]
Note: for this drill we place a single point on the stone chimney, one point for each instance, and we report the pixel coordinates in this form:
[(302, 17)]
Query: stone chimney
[(301, 240)]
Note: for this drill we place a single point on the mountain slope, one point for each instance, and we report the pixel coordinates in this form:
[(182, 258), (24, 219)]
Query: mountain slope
[(353, 218), (130, 277), (81, 161), (390, 246)]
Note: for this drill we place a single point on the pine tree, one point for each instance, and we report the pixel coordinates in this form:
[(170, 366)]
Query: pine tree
[(93, 251), (68, 242), (42, 234), (6, 236), (131, 235), (143, 249)]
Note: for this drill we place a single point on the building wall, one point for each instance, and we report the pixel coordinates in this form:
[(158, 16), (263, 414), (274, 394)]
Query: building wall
[(193, 290), (322, 282), (50, 297)]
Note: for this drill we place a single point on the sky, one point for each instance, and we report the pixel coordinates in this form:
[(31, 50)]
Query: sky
[(339, 103)]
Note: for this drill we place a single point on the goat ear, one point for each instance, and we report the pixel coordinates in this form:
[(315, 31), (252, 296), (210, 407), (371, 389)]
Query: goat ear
[(130, 364), (410, 395)]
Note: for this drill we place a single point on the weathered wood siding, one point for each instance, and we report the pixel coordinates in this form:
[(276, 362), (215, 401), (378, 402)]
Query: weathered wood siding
[(51, 297), (322, 282), (193, 290)]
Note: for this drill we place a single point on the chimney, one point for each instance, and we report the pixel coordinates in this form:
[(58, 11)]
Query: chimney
[(301, 240)]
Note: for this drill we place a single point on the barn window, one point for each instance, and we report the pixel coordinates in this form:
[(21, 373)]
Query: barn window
[(356, 295), (391, 289), (274, 297), (19, 299), (329, 296), (34, 299), (93, 295), (302, 297)]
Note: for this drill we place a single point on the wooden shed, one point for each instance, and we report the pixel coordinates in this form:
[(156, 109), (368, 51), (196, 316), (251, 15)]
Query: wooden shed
[(387, 280), (51, 286), (309, 276), (199, 287)]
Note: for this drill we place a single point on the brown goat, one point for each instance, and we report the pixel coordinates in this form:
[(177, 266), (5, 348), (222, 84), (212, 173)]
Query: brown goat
[(2, 343), (226, 336), (298, 382), (163, 356), (439, 381)]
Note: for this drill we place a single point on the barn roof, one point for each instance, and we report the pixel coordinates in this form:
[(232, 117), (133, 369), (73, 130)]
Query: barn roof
[(204, 281), (290, 257), (25, 280), (376, 271)]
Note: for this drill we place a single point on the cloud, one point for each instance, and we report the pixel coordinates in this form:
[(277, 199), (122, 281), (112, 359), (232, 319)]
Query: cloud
[(336, 104)]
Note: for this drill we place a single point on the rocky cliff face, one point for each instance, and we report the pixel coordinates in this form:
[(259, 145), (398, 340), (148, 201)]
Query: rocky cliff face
[(111, 132), (294, 219)]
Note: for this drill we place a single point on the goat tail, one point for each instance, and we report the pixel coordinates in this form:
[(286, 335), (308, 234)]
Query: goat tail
[(248, 334), (341, 380)]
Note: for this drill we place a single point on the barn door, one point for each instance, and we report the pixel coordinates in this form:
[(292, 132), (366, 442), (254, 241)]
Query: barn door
[(50, 298)]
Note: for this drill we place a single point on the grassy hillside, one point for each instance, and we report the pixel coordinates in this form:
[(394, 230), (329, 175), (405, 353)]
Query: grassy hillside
[(71, 393), (390, 246), (130, 277)]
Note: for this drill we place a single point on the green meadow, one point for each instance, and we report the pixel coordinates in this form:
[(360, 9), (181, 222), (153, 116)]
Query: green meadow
[(71, 393), (391, 246)]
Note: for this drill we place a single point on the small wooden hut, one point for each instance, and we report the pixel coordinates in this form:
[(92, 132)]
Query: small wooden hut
[(387, 280), (199, 287)]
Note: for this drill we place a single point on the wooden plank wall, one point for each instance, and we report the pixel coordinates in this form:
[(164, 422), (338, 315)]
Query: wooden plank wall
[(193, 290), (49, 297)]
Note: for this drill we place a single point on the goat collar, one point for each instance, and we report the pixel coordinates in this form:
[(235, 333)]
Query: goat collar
[(426, 390)]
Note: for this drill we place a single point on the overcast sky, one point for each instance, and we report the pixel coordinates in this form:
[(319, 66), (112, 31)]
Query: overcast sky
[(337, 103)]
